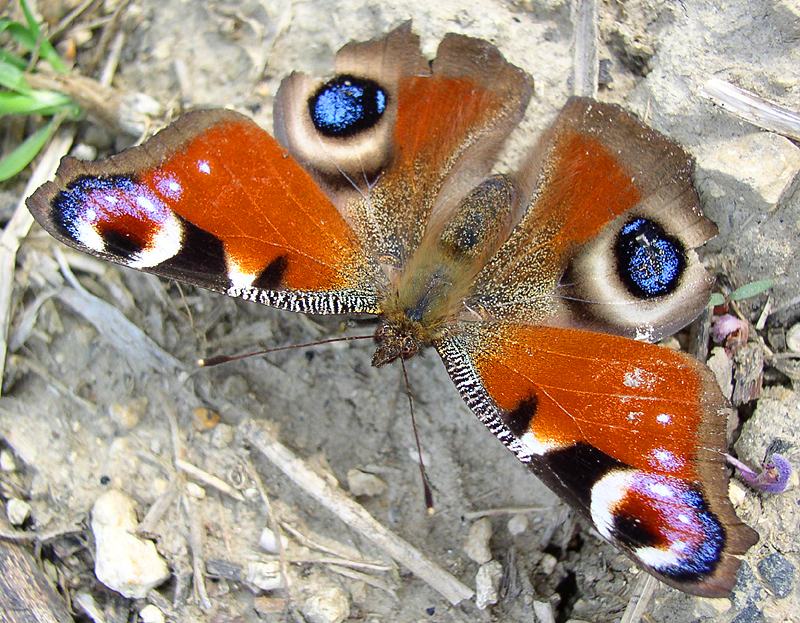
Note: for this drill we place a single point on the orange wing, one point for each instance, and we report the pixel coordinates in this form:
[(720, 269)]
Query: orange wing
[(629, 433), (436, 138), (215, 201)]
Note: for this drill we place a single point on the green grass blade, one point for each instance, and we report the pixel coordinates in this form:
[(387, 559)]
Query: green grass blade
[(26, 151), (12, 59), (13, 78), (35, 102), (749, 290), (716, 299), (46, 49)]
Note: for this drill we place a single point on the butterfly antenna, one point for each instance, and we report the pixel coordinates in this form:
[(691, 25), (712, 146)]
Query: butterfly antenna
[(215, 361), (426, 485)]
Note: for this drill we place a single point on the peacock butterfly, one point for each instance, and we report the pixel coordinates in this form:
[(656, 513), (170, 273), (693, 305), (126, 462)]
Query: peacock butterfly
[(539, 290)]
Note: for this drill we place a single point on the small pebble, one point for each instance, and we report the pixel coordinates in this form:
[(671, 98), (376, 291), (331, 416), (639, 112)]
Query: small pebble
[(778, 574), (7, 462), (195, 490), (127, 415), (17, 511), (543, 612), (547, 563), (269, 605), (124, 562), (487, 584), (265, 576), (222, 436), (82, 151), (517, 524), (793, 338), (151, 614), (269, 543), (477, 544), (364, 484), (737, 493), (205, 419), (327, 605)]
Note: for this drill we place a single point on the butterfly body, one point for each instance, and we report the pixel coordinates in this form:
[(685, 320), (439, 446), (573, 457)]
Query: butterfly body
[(375, 197)]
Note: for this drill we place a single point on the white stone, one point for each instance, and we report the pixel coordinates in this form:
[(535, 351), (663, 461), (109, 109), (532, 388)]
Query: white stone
[(736, 493), (269, 543), (364, 484), (517, 524), (124, 562), (7, 462), (721, 365), (477, 544), (793, 338), (766, 162), (487, 584), (151, 614), (195, 490), (17, 511), (265, 576), (543, 612), (327, 605), (547, 563)]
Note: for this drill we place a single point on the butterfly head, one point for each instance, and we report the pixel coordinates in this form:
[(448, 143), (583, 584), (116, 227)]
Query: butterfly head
[(395, 342)]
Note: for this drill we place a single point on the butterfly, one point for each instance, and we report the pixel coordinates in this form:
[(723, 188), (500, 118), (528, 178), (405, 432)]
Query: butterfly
[(541, 291)]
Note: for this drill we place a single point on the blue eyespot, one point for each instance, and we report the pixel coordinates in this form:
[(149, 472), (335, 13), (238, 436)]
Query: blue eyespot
[(649, 261), (347, 105)]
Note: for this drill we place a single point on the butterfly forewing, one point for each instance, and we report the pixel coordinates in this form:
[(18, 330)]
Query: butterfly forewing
[(215, 201), (434, 141)]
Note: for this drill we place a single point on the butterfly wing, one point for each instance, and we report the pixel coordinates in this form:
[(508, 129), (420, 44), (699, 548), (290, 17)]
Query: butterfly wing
[(215, 201), (607, 239), (631, 434), (439, 127)]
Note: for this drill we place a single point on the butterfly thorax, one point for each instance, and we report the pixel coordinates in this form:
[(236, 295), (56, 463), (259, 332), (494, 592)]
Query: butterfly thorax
[(428, 295)]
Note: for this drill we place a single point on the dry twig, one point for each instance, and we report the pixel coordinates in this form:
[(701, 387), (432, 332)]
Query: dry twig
[(354, 515)]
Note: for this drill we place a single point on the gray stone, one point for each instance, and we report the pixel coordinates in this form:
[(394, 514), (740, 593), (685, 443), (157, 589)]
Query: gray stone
[(778, 574)]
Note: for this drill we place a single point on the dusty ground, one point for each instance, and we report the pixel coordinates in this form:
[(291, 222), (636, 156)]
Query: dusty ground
[(83, 412)]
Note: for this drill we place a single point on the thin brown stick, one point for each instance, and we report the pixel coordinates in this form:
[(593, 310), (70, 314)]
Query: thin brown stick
[(586, 65), (353, 514), (753, 109)]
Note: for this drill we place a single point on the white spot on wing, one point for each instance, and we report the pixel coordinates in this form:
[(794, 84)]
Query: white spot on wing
[(638, 377), (661, 490), (203, 166), (239, 278), (165, 244), (145, 203), (536, 446), (663, 418), (661, 458), (85, 233), (607, 492), (657, 558)]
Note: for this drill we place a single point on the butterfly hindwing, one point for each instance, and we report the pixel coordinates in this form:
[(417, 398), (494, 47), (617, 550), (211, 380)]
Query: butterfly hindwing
[(631, 434), (215, 201)]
